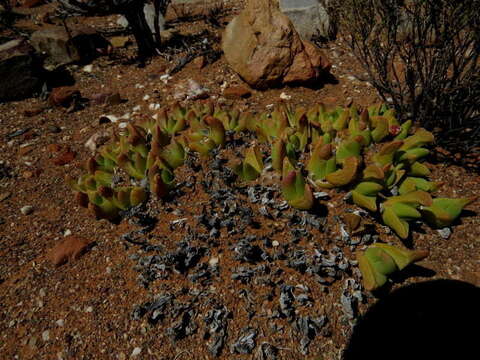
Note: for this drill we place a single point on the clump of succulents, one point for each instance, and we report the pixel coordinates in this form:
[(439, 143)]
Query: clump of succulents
[(369, 153), (148, 153)]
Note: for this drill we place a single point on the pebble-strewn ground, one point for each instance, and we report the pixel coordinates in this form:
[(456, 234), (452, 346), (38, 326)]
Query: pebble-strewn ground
[(220, 269)]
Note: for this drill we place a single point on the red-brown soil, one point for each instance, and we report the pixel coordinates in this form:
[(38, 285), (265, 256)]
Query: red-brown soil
[(86, 305)]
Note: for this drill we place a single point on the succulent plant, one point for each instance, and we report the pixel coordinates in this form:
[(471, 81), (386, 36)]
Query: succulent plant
[(297, 193), (252, 166), (380, 260), (443, 212)]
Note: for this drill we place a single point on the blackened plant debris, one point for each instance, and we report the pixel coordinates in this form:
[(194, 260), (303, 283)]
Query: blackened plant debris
[(245, 343), (183, 327), (201, 273), (216, 331), (287, 300), (156, 310), (326, 266), (245, 275), (298, 260), (308, 328), (5, 171), (139, 216), (246, 252), (266, 351), (350, 298), (184, 258)]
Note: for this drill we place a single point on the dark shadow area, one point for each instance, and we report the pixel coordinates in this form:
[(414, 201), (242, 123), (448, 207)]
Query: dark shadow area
[(326, 78), (319, 209), (59, 77), (461, 149), (430, 320)]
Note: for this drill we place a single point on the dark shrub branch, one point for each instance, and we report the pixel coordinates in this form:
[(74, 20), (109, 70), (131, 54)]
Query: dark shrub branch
[(421, 55)]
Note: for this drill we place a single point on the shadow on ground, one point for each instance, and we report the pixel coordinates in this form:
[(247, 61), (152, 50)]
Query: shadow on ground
[(429, 320)]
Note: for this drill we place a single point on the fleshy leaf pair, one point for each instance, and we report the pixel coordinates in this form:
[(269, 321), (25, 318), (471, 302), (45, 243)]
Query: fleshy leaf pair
[(297, 193), (252, 166), (381, 260)]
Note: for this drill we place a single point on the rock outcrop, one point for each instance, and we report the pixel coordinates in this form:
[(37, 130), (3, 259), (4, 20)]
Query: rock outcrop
[(310, 18), (61, 48), (20, 70)]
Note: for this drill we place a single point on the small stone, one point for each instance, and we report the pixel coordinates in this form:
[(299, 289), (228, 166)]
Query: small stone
[(213, 261), (42, 292), (136, 351), (25, 150), (97, 140), (60, 322), (54, 148), (106, 98), (89, 309), (275, 243), (46, 335), (88, 68), (26, 210), (72, 247), (445, 232), (119, 41), (237, 91), (285, 96), (53, 129), (36, 110)]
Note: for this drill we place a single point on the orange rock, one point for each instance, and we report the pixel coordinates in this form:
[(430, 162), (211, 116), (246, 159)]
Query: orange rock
[(33, 111), (25, 150), (63, 96), (27, 174), (70, 248), (237, 91), (54, 148), (64, 158)]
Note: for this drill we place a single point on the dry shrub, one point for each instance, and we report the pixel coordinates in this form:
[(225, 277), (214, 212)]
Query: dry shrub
[(423, 56)]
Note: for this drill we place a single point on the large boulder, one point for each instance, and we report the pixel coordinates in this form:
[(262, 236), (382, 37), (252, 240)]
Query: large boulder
[(310, 18), (262, 46), (20, 70), (81, 44)]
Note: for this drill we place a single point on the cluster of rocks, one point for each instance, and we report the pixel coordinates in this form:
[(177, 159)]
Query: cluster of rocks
[(268, 44), (27, 64)]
